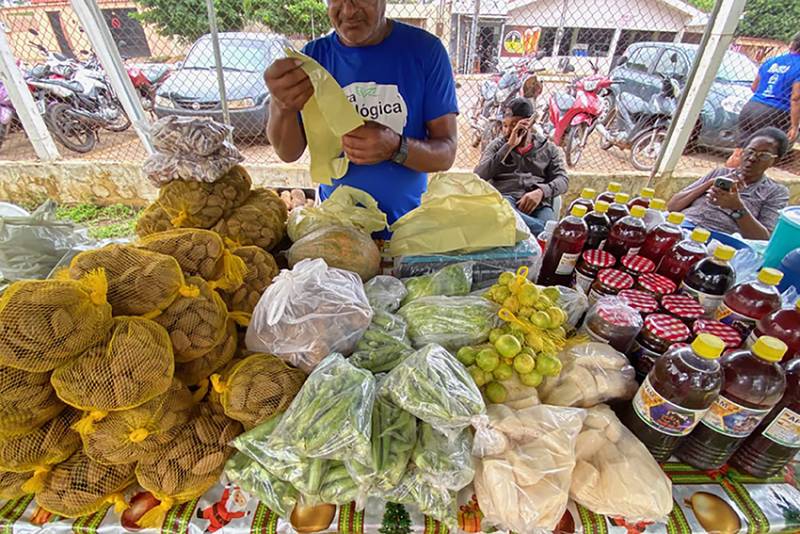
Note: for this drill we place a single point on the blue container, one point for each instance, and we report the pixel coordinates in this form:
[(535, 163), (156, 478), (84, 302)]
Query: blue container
[(785, 237), (790, 267)]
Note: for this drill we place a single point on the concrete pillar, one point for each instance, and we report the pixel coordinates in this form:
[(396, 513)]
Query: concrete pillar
[(612, 49)]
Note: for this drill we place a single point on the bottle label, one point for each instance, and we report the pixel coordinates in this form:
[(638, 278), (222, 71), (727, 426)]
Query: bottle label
[(732, 419), (633, 251), (709, 302), (582, 282), (567, 263), (742, 323), (751, 340), (663, 415), (785, 429), (593, 296)]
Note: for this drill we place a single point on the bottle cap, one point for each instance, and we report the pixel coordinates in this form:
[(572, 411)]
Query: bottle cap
[(622, 198), (658, 204), (676, 217), (588, 193), (724, 252), (708, 346), (601, 206), (769, 348), (769, 276), (578, 211), (614, 187), (648, 192), (700, 235), (638, 211)]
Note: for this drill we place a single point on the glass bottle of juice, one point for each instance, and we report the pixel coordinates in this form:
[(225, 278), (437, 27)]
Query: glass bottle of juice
[(748, 302), (608, 195), (643, 199), (782, 324), (564, 249), (777, 439), (710, 278), (598, 225), (619, 208), (683, 254), (655, 213), (661, 238), (586, 199), (627, 235), (675, 395), (753, 383)]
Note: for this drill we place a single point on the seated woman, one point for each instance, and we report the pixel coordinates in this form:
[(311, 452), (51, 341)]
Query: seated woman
[(751, 206)]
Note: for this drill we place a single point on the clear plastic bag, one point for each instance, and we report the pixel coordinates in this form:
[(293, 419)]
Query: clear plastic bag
[(615, 474), (432, 500), (347, 206), (592, 373), (384, 344), (446, 462), (279, 495), (450, 281), (574, 303), (308, 313), (385, 293), (450, 321)]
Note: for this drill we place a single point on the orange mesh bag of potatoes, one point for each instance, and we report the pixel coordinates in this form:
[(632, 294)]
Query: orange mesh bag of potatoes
[(199, 253), (80, 486), (199, 369), (140, 282), (128, 436), (27, 400), (152, 219), (261, 269), (189, 467), (256, 388), (133, 364), (11, 485), (195, 324), (45, 323), (260, 221)]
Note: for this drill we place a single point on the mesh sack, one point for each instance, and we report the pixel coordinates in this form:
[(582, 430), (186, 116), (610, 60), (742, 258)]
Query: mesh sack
[(260, 221), (45, 323), (42, 447), (27, 400), (133, 364), (196, 324), (199, 253), (189, 467), (256, 388), (152, 219), (11, 485), (199, 369), (261, 269), (140, 282), (128, 436), (80, 486)]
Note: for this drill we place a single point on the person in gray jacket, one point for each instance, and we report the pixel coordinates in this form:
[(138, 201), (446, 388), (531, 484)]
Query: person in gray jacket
[(529, 170)]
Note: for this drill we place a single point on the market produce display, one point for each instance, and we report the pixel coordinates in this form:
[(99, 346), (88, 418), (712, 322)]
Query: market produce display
[(384, 344), (445, 461), (260, 220), (252, 477), (450, 281), (394, 434), (27, 400), (449, 321), (343, 247), (153, 219), (346, 206), (385, 293), (195, 371), (42, 447), (11, 484), (260, 270)]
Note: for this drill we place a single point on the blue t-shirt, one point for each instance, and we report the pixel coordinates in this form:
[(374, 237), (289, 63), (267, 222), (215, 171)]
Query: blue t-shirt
[(402, 82), (776, 77)]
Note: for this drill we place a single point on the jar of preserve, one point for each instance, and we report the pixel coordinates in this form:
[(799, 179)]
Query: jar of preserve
[(659, 333), (609, 282), (612, 321), (684, 307), (728, 334), (656, 284), (640, 301), (636, 265), (591, 263)]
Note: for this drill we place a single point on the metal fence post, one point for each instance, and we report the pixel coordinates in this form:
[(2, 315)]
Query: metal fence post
[(98, 33), (21, 97), (212, 23)]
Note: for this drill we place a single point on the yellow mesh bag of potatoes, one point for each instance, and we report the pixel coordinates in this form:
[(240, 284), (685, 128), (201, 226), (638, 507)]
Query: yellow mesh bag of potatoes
[(45, 323), (189, 467), (199, 369), (42, 447), (199, 253), (27, 400), (140, 282), (195, 324), (11, 485), (152, 219), (128, 436), (260, 221), (133, 364), (257, 387), (80, 486), (260, 270)]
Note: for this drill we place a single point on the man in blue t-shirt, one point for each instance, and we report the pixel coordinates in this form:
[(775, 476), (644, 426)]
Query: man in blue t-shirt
[(399, 79)]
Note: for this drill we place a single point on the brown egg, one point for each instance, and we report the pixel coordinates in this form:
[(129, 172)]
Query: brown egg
[(713, 513), (312, 518)]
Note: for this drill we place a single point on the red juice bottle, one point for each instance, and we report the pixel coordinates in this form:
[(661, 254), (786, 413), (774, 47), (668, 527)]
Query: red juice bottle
[(777, 439), (598, 224), (782, 324), (564, 249), (618, 209), (753, 383), (683, 254), (643, 199), (661, 238), (608, 195), (655, 213), (710, 278), (627, 235), (748, 302), (586, 199), (675, 395)]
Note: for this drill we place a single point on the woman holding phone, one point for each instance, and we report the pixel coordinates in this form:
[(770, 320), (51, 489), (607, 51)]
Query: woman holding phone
[(742, 200)]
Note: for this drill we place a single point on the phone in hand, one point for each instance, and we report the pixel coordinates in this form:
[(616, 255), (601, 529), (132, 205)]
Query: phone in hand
[(725, 183)]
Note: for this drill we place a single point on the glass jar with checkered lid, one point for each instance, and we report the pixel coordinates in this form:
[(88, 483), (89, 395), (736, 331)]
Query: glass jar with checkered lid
[(610, 320), (659, 333), (590, 264), (636, 265), (684, 307), (640, 301), (608, 283)]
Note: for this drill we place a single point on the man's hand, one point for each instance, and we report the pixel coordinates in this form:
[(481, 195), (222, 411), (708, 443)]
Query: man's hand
[(728, 200), (519, 133), (792, 135), (288, 84), (370, 144), (530, 201)]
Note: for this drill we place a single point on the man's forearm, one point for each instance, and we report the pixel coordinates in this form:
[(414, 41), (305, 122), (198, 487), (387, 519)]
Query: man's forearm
[(285, 133), (795, 114), (430, 155), (750, 228), (682, 200)]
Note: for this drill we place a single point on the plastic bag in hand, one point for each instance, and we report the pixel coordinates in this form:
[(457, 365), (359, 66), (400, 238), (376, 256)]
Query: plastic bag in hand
[(308, 313), (450, 281), (615, 474), (385, 293), (347, 206), (280, 496), (450, 321), (444, 461)]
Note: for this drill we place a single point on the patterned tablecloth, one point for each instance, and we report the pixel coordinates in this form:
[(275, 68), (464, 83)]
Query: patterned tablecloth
[(723, 501)]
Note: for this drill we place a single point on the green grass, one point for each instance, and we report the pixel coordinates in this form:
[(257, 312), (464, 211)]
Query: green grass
[(102, 222)]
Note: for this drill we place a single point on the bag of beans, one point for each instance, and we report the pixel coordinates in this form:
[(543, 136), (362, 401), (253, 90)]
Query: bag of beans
[(27, 400), (152, 219), (11, 485), (42, 447), (260, 221), (193, 372), (260, 270)]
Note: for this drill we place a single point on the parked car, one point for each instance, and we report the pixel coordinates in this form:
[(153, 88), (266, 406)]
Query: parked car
[(192, 89), (647, 64)]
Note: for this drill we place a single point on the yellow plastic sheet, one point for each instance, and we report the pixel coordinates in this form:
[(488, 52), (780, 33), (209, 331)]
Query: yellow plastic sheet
[(347, 206), (459, 212), (327, 116)]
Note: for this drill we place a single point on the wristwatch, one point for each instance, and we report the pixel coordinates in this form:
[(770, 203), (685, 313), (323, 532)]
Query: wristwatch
[(401, 155), (737, 214)]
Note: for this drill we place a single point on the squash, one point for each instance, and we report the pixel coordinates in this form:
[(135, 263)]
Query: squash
[(343, 247)]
